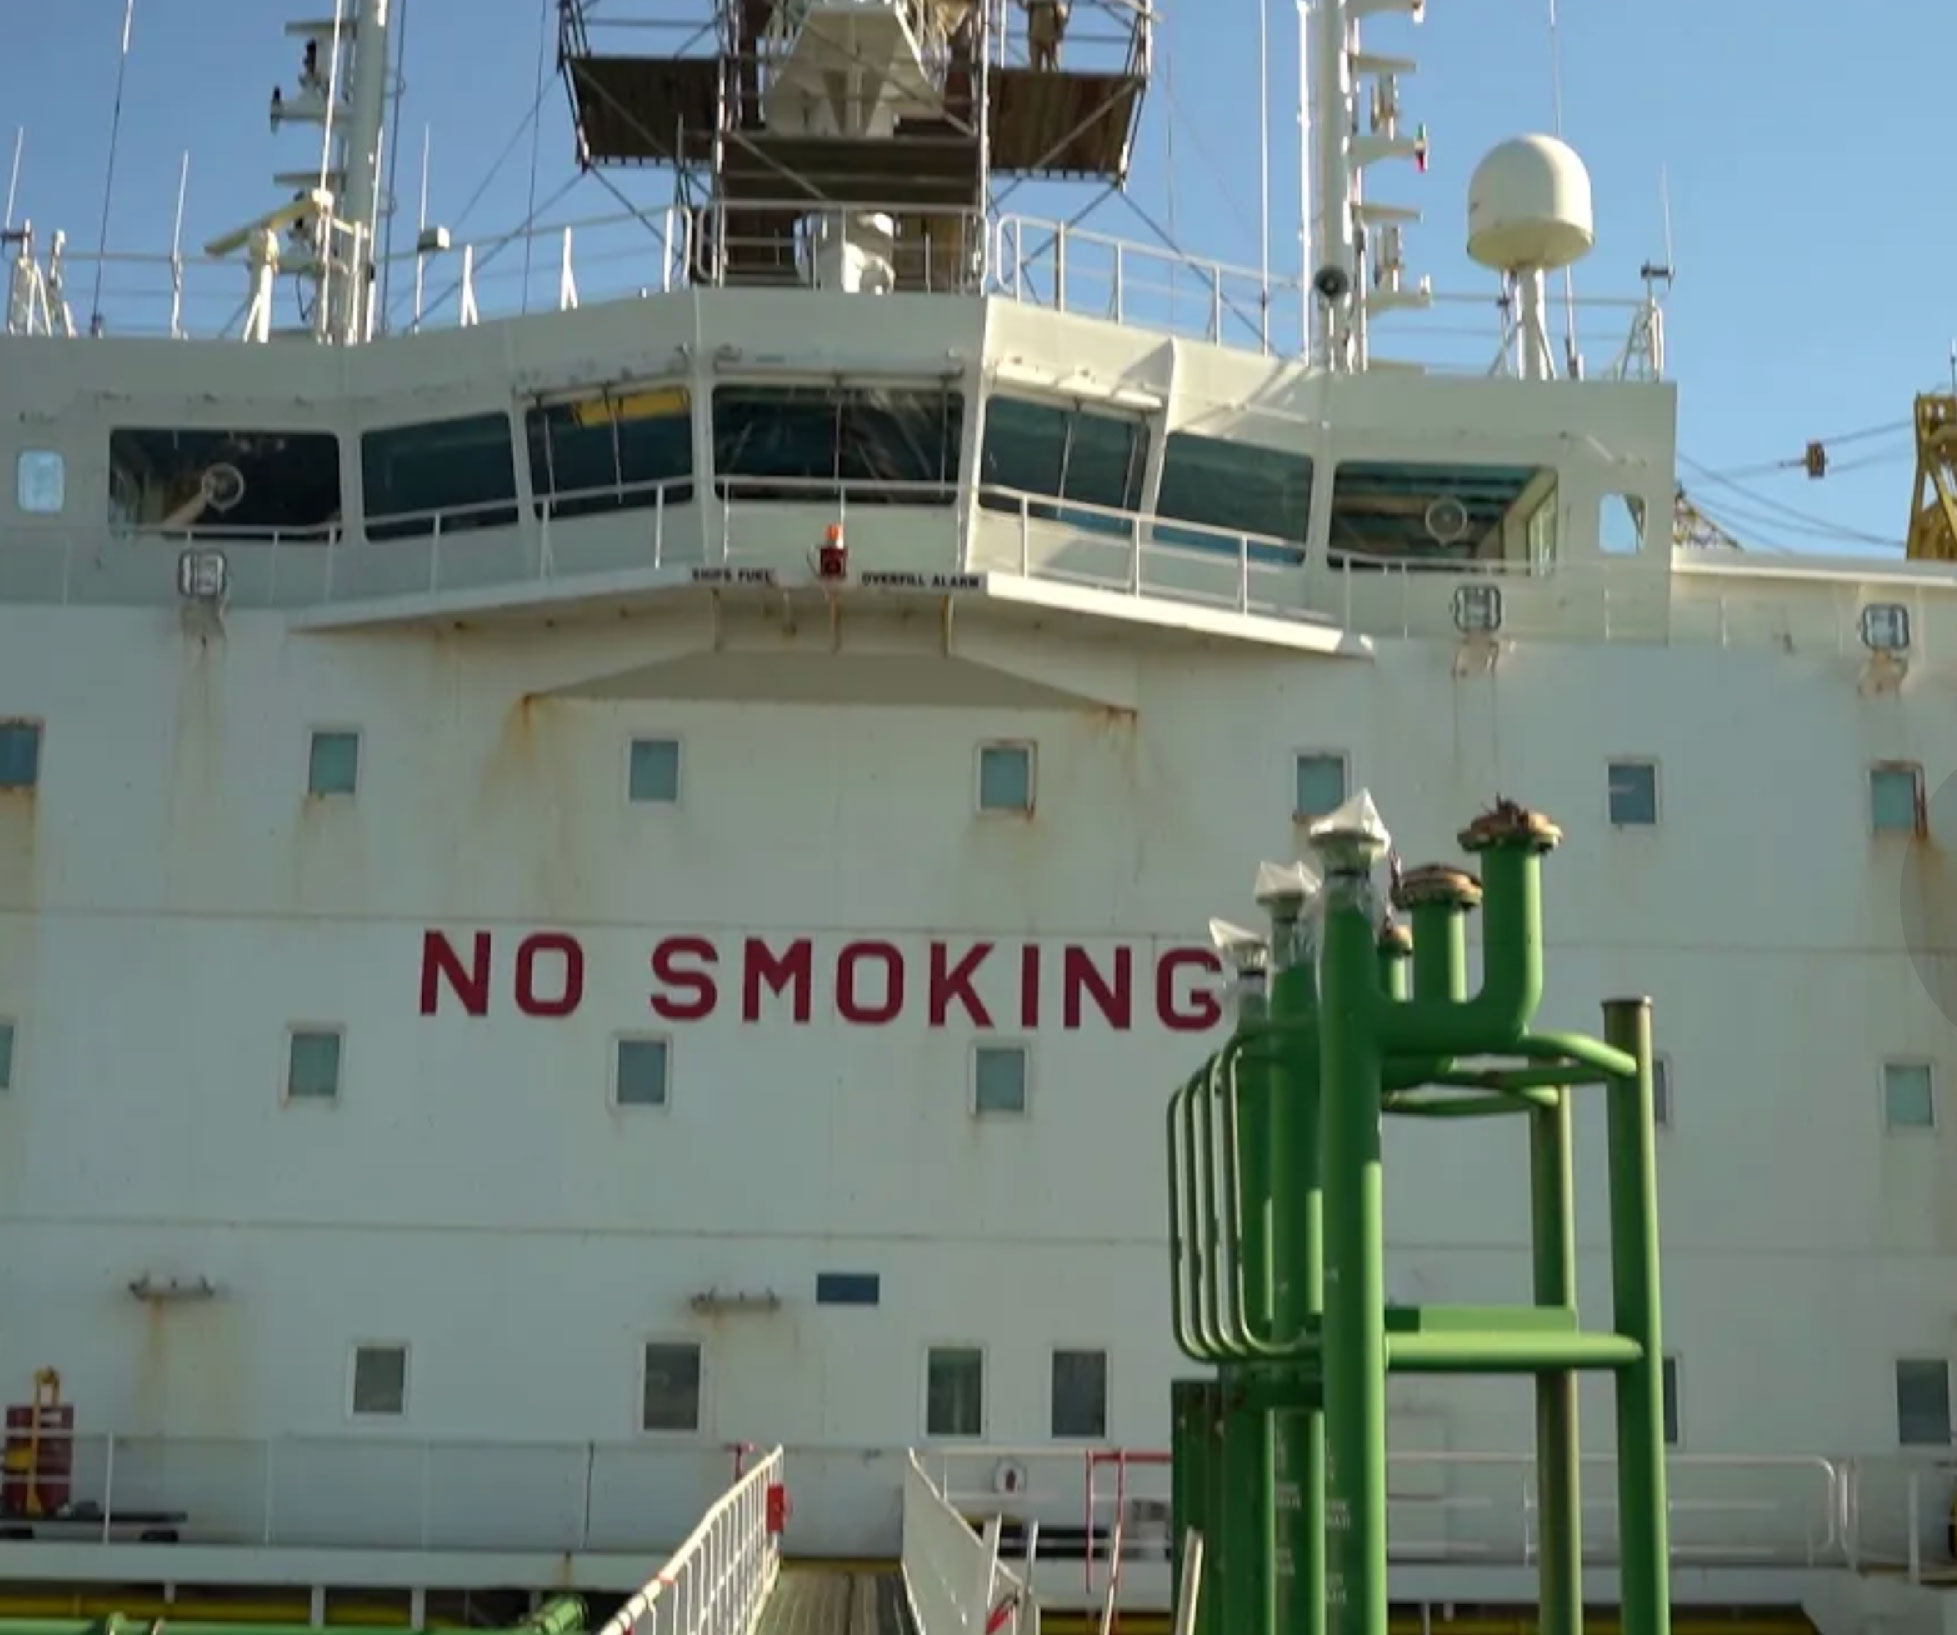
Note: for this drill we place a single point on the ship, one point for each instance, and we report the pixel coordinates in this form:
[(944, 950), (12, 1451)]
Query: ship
[(599, 905)]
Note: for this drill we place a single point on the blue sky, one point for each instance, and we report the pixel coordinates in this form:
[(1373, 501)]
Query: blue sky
[(1799, 146)]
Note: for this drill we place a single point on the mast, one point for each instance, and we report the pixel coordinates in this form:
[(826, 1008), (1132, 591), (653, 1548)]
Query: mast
[(362, 158), (1358, 270), (327, 231)]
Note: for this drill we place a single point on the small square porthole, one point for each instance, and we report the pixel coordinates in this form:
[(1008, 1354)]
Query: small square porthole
[(1005, 778), (640, 1070), (954, 1392), (1320, 781), (20, 754), (1896, 798), (1633, 794), (1909, 1096), (380, 1381), (333, 763), (652, 773), (40, 482), (1923, 1402), (312, 1065), (999, 1080), (669, 1386)]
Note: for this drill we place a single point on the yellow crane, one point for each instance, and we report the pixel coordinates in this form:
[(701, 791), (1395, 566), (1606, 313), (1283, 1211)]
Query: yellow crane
[(1933, 510)]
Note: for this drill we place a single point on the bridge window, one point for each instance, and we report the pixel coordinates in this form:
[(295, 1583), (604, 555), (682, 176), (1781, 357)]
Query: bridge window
[(40, 482), (1443, 516), (6, 1054), (614, 451), (312, 1065), (1668, 1385), (278, 485), (380, 1381), (1233, 490), (954, 1392), (1923, 1402), (669, 1395), (1090, 456), (440, 476), (1080, 1396), (1661, 1091), (20, 754), (860, 444)]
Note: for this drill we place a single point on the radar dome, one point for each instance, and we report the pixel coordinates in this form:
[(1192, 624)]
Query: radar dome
[(1529, 207)]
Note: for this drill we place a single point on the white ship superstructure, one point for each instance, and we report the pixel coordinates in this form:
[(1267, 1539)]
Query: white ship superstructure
[(580, 888)]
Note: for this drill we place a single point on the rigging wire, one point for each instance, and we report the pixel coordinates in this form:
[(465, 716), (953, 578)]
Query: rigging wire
[(495, 169), (394, 151), (536, 141), (496, 249), (109, 177)]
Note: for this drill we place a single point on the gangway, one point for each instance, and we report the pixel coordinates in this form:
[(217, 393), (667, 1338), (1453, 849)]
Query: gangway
[(721, 1580)]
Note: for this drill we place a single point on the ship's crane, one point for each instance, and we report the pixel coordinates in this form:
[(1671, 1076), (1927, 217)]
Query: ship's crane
[(1933, 506)]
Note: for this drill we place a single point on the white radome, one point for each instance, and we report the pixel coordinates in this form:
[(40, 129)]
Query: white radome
[(1529, 206)]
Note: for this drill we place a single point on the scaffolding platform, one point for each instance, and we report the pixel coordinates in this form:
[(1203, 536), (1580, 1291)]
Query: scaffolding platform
[(644, 110)]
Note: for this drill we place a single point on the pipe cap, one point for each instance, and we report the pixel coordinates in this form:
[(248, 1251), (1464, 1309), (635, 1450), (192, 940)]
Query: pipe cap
[(1508, 823)]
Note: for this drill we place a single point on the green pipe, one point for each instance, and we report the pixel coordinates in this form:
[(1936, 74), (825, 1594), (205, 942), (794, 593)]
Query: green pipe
[(1412, 1104), (1603, 1059), (1512, 1080), (1512, 843), (1635, 1305), (1559, 1473), (1395, 961), (1509, 1351), (1438, 898), (1298, 1238), (1180, 1321), (1354, 1341), (562, 1615)]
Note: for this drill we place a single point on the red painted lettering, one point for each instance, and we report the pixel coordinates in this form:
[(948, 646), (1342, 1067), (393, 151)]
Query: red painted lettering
[(571, 987), (1029, 986), (850, 1004), (954, 982), (441, 963), (1114, 999), (762, 967), (1195, 1009), (682, 966)]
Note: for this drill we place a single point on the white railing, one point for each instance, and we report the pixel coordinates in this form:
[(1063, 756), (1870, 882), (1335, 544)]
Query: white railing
[(718, 1580), (370, 1492), (1105, 1513), (1812, 608), (627, 255), (953, 1577)]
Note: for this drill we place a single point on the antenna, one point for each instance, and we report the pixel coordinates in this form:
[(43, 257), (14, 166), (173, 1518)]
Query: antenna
[(1572, 358), (13, 179), (109, 176), (1264, 165)]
